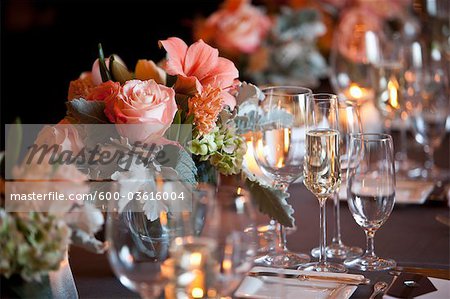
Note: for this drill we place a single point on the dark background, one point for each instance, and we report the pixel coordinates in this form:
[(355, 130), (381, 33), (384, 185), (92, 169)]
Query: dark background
[(46, 44)]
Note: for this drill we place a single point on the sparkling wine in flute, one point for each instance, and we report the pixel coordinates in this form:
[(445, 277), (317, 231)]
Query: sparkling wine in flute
[(321, 166)]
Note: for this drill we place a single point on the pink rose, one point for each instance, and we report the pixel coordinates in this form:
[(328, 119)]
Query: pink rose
[(238, 27), (199, 65), (142, 110)]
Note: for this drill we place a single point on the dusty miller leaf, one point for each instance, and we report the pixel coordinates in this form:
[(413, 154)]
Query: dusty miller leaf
[(272, 202), (180, 160)]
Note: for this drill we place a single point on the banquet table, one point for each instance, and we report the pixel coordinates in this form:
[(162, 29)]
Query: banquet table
[(412, 236)]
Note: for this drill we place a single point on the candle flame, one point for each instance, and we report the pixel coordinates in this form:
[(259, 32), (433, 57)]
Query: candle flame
[(355, 91), (393, 93), (163, 218), (197, 293), (195, 259)]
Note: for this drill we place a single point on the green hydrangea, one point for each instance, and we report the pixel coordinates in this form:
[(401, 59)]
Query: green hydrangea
[(32, 244), (223, 147)]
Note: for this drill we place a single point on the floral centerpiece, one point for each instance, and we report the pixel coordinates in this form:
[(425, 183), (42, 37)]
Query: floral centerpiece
[(186, 106)]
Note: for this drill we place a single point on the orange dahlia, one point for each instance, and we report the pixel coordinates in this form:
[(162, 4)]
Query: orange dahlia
[(206, 107), (81, 87)]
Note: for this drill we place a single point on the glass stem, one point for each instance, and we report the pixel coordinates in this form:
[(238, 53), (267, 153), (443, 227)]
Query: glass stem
[(370, 247), (429, 151), (281, 232), (337, 220), (403, 154), (323, 230)]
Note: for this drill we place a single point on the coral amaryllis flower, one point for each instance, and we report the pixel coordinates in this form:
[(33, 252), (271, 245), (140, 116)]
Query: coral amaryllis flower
[(202, 62), (206, 108)]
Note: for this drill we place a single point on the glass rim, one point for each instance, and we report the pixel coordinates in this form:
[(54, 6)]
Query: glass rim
[(371, 137), (277, 90), (324, 96), (345, 103)]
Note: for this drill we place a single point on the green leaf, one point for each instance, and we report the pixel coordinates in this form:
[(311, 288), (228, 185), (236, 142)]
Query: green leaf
[(119, 72), (272, 202), (87, 112), (180, 160), (177, 118), (189, 120), (12, 146), (104, 72)]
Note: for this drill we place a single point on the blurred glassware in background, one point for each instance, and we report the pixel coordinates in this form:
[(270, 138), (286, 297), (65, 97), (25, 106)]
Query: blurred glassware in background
[(363, 31), (389, 85), (230, 230), (428, 100)]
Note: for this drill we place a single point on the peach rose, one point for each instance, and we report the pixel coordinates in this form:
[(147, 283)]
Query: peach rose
[(142, 110), (238, 27)]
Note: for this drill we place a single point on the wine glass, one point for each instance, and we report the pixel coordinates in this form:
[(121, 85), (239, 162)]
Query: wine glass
[(139, 232), (370, 192), (322, 174), (230, 224), (349, 123), (278, 143), (427, 93)]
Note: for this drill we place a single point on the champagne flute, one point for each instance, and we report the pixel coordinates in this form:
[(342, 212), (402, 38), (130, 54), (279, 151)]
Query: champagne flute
[(322, 174), (349, 123), (371, 192), (278, 143)]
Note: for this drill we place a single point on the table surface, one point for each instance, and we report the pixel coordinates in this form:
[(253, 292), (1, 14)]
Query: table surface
[(411, 236)]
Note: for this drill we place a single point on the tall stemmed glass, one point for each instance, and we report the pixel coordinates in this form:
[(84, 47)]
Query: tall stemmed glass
[(349, 123), (322, 174), (371, 192), (428, 95), (279, 151)]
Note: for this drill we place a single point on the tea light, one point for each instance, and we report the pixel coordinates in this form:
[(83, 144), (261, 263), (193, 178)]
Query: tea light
[(358, 94)]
